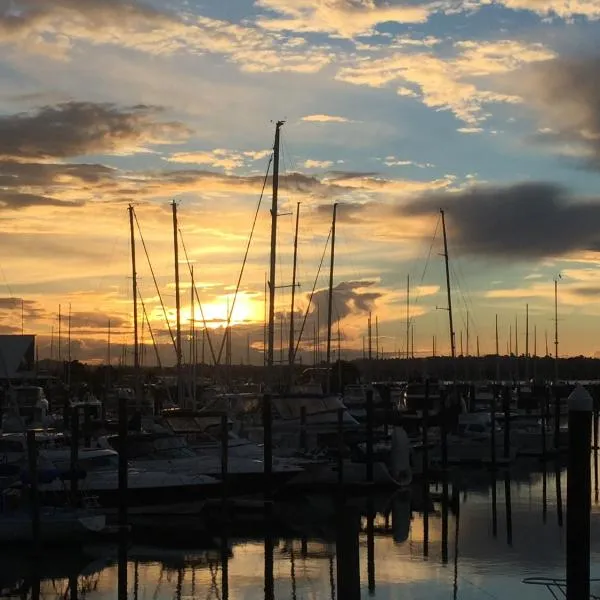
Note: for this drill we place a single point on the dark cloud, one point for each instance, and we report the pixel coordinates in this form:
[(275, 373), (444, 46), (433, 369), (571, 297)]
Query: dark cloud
[(346, 300), (94, 320), (21, 17), (15, 201), (529, 220), (342, 175), (13, 308), (567, 91), (74, 129)]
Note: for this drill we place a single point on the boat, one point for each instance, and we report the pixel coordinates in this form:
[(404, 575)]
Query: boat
[(57, 525), (170, 453)]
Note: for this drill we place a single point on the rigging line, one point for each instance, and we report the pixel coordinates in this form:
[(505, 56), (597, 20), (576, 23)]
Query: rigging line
[(312, 293), (417, 296), (239, 281), (158, 361), (208, 337), (162, 304), (6, 281)]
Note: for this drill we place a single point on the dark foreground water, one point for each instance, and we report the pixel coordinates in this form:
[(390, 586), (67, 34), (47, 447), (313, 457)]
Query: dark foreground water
[(483, 549)]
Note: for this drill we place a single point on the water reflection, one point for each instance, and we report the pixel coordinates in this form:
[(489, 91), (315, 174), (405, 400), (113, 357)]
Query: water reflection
[(473, 535)]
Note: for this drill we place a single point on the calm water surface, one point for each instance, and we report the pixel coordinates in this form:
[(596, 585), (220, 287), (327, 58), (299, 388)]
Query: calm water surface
[(487, 554)]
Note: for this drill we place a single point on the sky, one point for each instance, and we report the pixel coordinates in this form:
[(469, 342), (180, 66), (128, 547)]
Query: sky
[(489, 110)]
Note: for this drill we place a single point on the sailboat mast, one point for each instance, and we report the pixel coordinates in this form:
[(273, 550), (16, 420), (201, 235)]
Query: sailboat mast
[(272, 266), (193, 338), (556, 328), (291, 350), (376, 337), (59, 332), (407, 316), (136, 357), (330, 299), (448, 293), (497, 352), (177, 304)]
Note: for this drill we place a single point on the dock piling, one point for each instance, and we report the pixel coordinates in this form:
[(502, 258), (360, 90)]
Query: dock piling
[(370, 435), (579, 494), (74, 487), (341, 446), (34, 493)]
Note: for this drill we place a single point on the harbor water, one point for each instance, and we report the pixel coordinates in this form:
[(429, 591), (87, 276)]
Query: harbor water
[(478, 544)]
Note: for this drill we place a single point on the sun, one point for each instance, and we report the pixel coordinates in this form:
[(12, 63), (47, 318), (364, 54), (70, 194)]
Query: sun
[(246, 310)]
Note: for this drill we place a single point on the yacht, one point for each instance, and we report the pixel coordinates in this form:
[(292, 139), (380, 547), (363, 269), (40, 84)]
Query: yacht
[(97, 469), (170, 453)]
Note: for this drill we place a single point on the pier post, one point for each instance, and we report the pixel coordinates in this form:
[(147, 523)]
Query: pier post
[(340, 440), (224, 458), (425, 437), (506, 407), (544, 423), (34, 493), (74, 456), (444, 430), (267, 419), (508, 508), (595, 448), (370, 435), (557, 420), (303, 441), (347, 554), (87, 434), (493, 428), (578, 494), (123, 483), (371, 546)]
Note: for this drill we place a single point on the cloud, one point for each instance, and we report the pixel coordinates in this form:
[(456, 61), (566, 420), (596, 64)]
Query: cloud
[(566, 93), (78, 128), (349, 298), (559, 8), (317, 164), (52, 28), (392, 161), (470, 130), (95, 320), (324, 119), (523, 221), (345, 18), (226, 159), (453, 83)]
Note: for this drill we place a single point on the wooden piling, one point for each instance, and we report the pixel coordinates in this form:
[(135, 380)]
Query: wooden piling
[(267, 419), (370, 424), (444, 430), (557, 420), (578, 494), (341, 446), (371, 546), (506, 407), (347, 554), (224, 459), (493, 429), (74, 457), (87, 427), (508, 508), (123, 483), (34, 499), (303, 440)]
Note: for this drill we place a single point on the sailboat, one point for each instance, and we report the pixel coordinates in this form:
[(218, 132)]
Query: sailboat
[(311, 421)]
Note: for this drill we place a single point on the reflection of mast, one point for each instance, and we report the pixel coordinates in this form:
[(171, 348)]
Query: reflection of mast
[(330, 299)]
